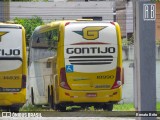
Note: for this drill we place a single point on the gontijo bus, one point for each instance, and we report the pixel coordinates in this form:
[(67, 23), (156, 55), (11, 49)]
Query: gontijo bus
[(87, 65), (13, 66)]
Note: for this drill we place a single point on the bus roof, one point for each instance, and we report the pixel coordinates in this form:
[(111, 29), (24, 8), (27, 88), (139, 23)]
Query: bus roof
[(44, 27), (8, 25)]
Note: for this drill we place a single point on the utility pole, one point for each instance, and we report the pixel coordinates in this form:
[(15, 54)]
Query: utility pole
[(135, 91), (4, 10), (145, 60)]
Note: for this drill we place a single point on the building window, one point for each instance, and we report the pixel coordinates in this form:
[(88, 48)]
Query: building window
[(94, 18)]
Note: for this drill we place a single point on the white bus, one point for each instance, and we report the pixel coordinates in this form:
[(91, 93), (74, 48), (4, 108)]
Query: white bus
[(40, 66)]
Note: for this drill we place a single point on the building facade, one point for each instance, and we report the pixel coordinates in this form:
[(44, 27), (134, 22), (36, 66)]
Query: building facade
[(50, 11), (4, 11), (158, 22)]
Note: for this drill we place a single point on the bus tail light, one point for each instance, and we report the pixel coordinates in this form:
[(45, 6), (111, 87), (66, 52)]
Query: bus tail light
[(63, 79), (23, 81), (112, 23), (118, 81), (67, 23)]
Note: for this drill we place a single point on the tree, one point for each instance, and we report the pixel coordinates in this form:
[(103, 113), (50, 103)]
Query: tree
[(29, 24)]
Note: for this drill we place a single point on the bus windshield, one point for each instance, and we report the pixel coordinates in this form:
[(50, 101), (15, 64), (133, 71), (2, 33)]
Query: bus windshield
[(43, 43)]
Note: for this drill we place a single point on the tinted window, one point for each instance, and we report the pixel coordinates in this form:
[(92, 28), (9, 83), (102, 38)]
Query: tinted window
[(46, 39)]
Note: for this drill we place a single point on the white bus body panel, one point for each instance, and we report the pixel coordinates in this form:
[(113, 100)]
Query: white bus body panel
[(11, 48), (40, 78), (107, 38)]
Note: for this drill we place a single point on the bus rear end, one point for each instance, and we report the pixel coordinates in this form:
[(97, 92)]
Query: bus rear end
[(91, 70), (12, 66)]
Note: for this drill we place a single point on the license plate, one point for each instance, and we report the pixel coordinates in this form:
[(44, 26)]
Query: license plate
[(91, 95)]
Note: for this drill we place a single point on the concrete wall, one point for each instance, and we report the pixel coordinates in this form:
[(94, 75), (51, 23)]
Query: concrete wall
[(120, 8), (121, 19), (128, 57), (129, 18)]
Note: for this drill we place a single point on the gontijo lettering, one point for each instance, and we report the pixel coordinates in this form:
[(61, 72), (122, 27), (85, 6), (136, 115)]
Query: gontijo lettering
[(9, 52), (89, 50)]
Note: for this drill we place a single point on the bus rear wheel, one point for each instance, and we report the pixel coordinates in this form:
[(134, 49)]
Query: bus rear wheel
[(6, 109), (108, 106), (61, 108), (32, 97), (49, 97), (51, 100), (14, 109)]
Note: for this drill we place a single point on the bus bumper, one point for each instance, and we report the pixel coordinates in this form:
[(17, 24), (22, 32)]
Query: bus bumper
[(100, 96), (13, 98)]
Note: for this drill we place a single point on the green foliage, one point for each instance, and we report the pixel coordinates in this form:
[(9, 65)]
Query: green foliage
[(130, 107), (117, 107), (125, 41), (158, 106), (129, 41), (31, 108), (157, 42), (29, 24), (124, 107)]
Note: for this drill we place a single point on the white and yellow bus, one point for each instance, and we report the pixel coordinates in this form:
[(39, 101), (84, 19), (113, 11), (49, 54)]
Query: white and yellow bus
[(76, 63), (13, 66)]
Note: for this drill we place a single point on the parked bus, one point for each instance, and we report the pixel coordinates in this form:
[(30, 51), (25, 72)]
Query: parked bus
[(76, 63), (41, 58), (13, 66)]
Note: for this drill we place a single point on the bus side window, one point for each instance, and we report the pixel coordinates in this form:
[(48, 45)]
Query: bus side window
[(38, 41)]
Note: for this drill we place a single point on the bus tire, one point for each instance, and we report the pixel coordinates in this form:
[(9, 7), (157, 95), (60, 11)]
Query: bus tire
[(49, 97), (108, 106), (32, 97), (6, 109), (53, 105), (61, 108), (98, 106), (14, 109)]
